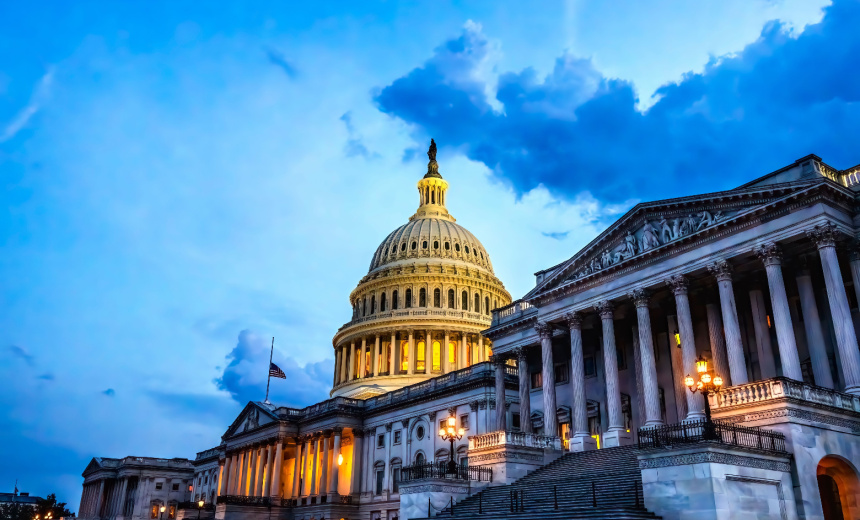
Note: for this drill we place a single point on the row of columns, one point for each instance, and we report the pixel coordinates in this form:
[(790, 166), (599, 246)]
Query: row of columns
[(253, 471), (100, 500), (725, 338), (315, 470), (351, 358)]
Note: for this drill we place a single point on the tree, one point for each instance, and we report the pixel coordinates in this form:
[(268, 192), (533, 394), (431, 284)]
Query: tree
[(50, 505), (17, 511), (28, 511)]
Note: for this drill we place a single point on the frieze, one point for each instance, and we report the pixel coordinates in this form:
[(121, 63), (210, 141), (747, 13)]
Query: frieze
[(715, 457), (502, 455), (805, 415)]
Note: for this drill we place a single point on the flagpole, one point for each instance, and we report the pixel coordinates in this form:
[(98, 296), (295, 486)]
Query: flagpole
[(269, 370)]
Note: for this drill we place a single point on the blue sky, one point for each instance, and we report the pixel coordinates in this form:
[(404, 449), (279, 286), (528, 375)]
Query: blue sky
[(180, 184)]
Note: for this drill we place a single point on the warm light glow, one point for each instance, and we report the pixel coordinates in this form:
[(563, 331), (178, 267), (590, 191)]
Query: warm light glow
[(768, 321), (441, 432), (699, 385), (677, 338), (461, 432), (339, 459), (200, 503), (452, 421), (718, 381), (689, 381), (706, 378), (450, 430), (701, 365), (597, 439), (162, 509)]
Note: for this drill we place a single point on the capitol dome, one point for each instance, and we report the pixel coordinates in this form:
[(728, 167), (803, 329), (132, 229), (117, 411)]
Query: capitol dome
[(419, 311)]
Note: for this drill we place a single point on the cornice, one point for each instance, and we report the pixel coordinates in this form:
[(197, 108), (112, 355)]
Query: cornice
[(417, 323)]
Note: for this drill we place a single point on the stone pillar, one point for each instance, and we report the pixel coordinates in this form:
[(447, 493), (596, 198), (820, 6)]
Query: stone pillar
[(814, 331), (482, 355), (412, 358), (324, 464), (447, 363), (647, 364), (474, 424), (357, 459), (316, 448), (351, 374), (616, 434), (501, 423), (581, 438), (461, 351), (248, 477), (223, 476), (344, 364), (261, 463), (336, 380), (718, 342), (335, 467), (854, 263), (375, 358), (677, 368), (240, 475), (737, 373), (387, 477), (393, 367), (695, 403), (276, 472), (428, 352), (525, 399), (846, 339), (297, 469), (100, 498), (550, 419), (362, 365), (766, 363), (771, 255), (270, 471)]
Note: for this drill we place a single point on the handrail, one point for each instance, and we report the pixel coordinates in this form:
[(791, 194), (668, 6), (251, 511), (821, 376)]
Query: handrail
[(714, 431), (441, 469)]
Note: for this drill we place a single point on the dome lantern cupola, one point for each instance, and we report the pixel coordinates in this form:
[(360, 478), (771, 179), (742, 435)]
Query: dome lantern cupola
[(432, 190)]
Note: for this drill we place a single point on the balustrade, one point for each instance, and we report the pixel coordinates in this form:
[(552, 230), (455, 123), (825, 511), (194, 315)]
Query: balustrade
[(778, 388), (514, 438)]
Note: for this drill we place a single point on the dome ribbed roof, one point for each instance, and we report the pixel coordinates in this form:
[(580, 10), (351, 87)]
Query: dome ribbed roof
[(425, 239)]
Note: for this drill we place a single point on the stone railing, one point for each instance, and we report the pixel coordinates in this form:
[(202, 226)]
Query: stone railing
[(780, 388), (514, 438), (151, 461), (211, 452), (512, 311)]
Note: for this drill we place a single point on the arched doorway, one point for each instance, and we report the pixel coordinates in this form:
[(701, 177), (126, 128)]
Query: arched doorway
[(839, 488)]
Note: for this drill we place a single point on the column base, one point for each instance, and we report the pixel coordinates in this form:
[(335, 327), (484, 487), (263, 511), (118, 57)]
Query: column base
[(615, 438), (694, 416), (582, 442)]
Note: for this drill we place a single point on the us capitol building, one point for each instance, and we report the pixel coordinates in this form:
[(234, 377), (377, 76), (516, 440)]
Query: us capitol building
[(697, 359)]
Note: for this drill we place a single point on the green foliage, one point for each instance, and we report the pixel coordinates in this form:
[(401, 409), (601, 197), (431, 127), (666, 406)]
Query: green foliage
[(50, 505), (43, 508)]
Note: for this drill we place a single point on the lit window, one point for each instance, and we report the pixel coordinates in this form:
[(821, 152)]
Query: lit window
[(437, 356), (171, 511), (452, 353), (404, 355), (153, 511), (419, 357), (537, 380)]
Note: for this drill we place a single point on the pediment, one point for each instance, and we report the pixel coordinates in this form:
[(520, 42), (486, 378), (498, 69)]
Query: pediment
[(655, 227), (252, 417), (92, 466)]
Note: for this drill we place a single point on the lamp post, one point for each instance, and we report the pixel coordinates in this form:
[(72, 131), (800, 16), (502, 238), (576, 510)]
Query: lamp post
[(161, 510), (706, 384), (199, 508), (451, 433)]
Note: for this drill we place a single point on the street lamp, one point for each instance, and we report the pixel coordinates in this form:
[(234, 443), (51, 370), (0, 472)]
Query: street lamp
[(161, 510), (451, 433), (706, 384), (199, 508)]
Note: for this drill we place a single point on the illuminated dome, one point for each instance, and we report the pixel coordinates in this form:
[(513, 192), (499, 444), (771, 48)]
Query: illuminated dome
[(430, 284)]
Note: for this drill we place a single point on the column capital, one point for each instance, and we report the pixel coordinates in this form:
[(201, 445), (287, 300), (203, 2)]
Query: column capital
[(431, 416), (824, 235), (679, 284), (573, 320), (605, 309), (388, 426), (473, 405), (640, 297), (498, 359), (722, 270), (770, 254), (543, 329), (358, 433), (520, 353), (337, 430)]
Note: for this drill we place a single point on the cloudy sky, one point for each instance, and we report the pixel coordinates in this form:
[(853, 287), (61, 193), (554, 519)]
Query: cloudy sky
[(180, 185)]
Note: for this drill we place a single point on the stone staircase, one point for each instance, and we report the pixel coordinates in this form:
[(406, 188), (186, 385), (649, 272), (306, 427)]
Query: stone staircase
[(599, 484)]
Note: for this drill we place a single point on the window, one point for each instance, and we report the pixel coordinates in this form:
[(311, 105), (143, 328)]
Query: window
[(447, 246), (404, 355), (515, 421), (537, 380), (482, 255), (450, 298), (171, 511), (419, 356), (380, 478), (594, 425), (373, 304), (457, 247), (382, 303), (419, 459), (437, 298), (424, 245), (487, 305), (588, 366), (437, 356), (408, 302), (153, 511), (206, 480), (397, 435), (159, 485), (419, 434), (422, 297), (465, 300), (435, 244), (414, 246), (467, 250), (561, 373), (452, 353), (403, 246), (380, 440), (175, 487), (477, 307), (395, 479), (393, 249), (464, 421), (394, 300)]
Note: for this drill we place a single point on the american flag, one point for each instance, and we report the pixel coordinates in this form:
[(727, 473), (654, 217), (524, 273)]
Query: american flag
[(274, 371)]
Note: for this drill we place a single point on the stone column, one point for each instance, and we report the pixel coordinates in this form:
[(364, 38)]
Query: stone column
[(718, 342), (275, 490), (481, 354), (223, 475), (261, 462), (248, 478), (386, 486), (270, 471), (335, 467), (412, 358), (344, 364), (100, 498), (525, 399), (736, 360), (501, 423), (677, 368), (317, 441), (824, 237), (854, 263), (447, 364), (428, 352), (814, 332), (240, 474), (550, 419), (362, 365), (616, 434), (375, 358), (351, 374), (581, 438), (695, 403), (771, 255), (474, 424), (393, 367), (647, 364), (357, 459), (336, 380), (297, 469), (766, 363), (235, 469), (324, 466)]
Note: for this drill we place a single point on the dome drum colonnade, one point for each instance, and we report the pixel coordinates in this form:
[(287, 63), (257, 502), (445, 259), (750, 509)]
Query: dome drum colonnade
[(428, 294)]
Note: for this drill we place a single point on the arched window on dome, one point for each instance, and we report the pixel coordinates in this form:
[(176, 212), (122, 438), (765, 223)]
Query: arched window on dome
[(450, 298), (424, 245), (457, 247), (447, 246), (422, 297), (403, 246), (437, 298), (394, 300), (414, 246), (382, 302), (482, 255), (437, 356), (477, 307), (467, 250), (373, 304), (393, 249), (419, 356), (486, 305), (407, 303), (464, 301), (364, 307), (435, 244)]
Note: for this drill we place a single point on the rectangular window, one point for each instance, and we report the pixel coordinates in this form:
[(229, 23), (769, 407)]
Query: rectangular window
[(395, 476), (594, 425), (464, 421), (589, 367), (159, 485), (397, 437), (153, 512), (171, 511), (562, 374), (515, 420), (419, 356), (404, 356), (176, 487), (537, 380), (380, 440), (380, 478), (437, 356)]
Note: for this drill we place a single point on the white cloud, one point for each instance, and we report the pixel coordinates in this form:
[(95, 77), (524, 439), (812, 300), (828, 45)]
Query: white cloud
[(37, 99)]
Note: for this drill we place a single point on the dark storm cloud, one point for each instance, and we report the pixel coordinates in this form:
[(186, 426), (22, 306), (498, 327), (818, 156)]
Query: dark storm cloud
[(576, 130)]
